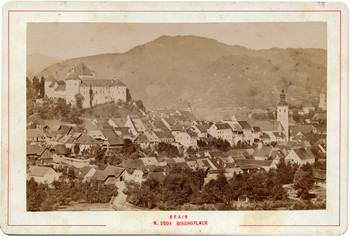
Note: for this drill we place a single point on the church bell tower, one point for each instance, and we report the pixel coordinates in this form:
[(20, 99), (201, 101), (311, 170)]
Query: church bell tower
[(282, 114)]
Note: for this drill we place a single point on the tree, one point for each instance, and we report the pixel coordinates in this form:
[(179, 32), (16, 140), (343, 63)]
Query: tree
[(128, 95), (42, 87), (79, 100), (304, 180), (285, 172), (36, 85), (128, 147), (140, 105), (91, 95), (62, 109), (168, 149), (76, 149)]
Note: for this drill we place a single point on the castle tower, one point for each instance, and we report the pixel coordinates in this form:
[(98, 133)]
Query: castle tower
[(282, 114), (72, 88), (323, 102)]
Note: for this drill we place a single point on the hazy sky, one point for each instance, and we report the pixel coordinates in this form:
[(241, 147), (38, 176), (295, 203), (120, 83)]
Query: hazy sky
[(68, 40)]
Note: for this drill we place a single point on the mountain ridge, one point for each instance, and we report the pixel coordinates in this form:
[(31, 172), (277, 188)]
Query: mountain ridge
[(171, 70)]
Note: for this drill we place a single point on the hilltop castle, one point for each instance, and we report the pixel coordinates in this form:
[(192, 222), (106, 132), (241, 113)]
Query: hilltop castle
[(80, 79)]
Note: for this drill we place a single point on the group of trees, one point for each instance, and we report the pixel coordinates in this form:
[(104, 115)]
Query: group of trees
[(52, 109), (168, 150), (129, 150), (183, 186), (35, 89), (214, 143), (41, 197)]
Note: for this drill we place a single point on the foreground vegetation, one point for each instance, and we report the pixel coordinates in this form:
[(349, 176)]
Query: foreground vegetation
[(182, 186), (41, 197)]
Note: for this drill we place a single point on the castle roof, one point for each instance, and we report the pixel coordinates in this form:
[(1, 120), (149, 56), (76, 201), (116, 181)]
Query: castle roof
[(102, 82), (82, 69), (50, 78), (61, 87), (73, 76)]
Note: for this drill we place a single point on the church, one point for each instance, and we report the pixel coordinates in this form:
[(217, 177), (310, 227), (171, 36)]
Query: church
[(80, 80)]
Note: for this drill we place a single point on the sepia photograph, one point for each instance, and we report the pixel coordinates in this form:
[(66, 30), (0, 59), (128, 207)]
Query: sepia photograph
[(176, 116)]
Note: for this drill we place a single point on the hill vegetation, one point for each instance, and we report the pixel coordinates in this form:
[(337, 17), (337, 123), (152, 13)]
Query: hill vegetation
[(170, 71)]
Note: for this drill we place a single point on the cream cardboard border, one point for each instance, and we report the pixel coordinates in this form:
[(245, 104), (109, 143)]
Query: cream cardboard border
[(222, 222)]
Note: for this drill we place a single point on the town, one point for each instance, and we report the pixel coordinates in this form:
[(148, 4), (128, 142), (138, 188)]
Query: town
[(89, 142)]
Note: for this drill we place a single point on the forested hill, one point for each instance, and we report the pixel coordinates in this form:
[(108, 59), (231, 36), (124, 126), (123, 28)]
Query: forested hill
[(170, 71)]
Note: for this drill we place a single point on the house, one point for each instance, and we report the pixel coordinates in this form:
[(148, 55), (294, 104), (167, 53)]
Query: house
[(143, 141), (267, 138), (149, 161), (142, 124), (117, 122), (201, 130), (319, 176), (60, 150), (168, 122), (85, 142), (262, 152), (77, 162), (86, 173), (44, 175), (36, 136), (130, 124), (192, 163), (304, 129), (212, 175), (257, 133), (221, 131), (160, 126), (301, 156), (279, 137), (247, 165), (137, 175), (123, 132), (175, 129), (38, 155), (110, 175), (247, 131), (270, 126), (111, 140), (152, 137), (165, 137), (186, 139), (298, 137)]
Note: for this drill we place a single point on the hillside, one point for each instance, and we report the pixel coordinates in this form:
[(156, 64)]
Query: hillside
[(110, 110), (36, 62), (170, 71)]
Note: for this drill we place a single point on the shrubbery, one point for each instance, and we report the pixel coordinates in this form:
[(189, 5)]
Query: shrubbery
[(41, 197)]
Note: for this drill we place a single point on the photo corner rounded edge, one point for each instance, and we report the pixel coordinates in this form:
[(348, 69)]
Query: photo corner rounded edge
[(4, 229)]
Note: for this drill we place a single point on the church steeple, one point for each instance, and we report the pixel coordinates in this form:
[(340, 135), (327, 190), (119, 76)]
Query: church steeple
[(282, 114), (283, 101)]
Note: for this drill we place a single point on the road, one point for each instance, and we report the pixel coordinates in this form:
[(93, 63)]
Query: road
[(120, 204)]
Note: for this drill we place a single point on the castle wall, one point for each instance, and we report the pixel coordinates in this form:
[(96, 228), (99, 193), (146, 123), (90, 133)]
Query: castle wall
[(72, 88), (102, 94), (50, 91)]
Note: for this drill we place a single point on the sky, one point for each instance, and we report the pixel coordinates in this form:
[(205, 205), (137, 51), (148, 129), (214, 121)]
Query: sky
[(70, 40)]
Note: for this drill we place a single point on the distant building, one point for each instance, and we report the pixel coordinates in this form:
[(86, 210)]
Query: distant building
[(301, 156), (80, 80), (282, 114), (44, 175), (323, 101)]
